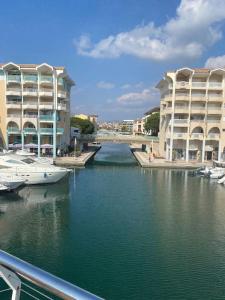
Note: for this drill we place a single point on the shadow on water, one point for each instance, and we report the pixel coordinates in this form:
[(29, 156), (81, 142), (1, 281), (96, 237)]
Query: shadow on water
[(114, 155)]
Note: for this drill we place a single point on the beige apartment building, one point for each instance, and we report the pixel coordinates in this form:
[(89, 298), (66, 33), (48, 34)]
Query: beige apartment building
[(34, 107), (192, 114)]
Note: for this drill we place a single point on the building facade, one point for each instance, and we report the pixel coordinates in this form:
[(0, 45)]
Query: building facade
[(139, 124), (192, 114), (34, 107)]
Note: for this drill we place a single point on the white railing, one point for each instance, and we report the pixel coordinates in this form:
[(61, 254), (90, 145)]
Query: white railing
[(197, 135), (180, 121), (213, 121), (198, 84), (215, 84), (13, 116), (214, 108), (213, 135), (182, 84), (30, 116), (30, 103), (198, 107), (179, 134)]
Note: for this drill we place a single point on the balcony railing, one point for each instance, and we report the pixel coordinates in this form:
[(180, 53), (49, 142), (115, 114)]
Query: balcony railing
[(13, 91), (34, 116), (12, 102), (180, 135), (13, 130), (214, 108), (182, 84), (60, 130), (215, 84), (197, 135), (13, 270), (30, 103), (14, 78), (180, 121), (30, 91), (213, 136), (46, 78), (30, 130), (46, 130), (61, 94), (46, 92), (46, 118), (30, 78), (14, 116), (198, 84)]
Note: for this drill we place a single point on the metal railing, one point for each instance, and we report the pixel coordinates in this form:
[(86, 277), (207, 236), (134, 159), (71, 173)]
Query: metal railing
[(13, 270)]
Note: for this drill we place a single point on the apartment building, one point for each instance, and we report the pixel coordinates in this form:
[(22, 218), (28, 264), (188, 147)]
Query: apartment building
[(139, 124), (192, 114), (34, 107)]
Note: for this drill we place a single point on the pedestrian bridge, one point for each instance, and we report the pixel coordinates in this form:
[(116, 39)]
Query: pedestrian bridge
[(118, 138)]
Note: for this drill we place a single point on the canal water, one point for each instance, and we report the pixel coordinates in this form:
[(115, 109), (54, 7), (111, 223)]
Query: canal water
[(121, 231)]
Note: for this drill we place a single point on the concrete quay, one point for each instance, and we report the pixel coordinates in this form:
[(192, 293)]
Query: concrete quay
[(143, 159), (80, 161)]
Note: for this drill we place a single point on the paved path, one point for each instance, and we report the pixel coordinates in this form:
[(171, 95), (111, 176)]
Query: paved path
[(80, 161), (143, 159)]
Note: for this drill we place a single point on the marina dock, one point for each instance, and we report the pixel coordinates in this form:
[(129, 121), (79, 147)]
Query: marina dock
[(143, 159), (79, 161)]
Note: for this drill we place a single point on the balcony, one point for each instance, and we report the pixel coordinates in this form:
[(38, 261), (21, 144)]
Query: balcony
[(181, 97), (13, 130), (46, 105), (30, 116), (198, 97), (182, 85), (60, 130), (47, 131), (13, 92), (46, 118), (61, 94), (30, 104), (198, 84), (181, 109), (197, 136), (30, 78), (48, 79), (13, 104), (179, 122), (215, 85), (62, 106), (13, 79), (213, 136), (198, 109), (30, 131), (215, 110), (46, 92), (215, 97), (180, 135), (30, 92), (60, 81)]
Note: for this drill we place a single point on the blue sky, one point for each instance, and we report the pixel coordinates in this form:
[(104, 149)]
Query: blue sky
[(115, 51)]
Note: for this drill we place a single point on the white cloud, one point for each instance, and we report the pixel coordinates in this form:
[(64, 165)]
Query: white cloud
[(136, 99), (194, 28), (105, 85), (126, 86), (215, 62)]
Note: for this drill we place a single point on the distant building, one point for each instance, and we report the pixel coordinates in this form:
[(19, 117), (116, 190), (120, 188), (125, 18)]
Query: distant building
[(138, 125), (91, 118), (126, 125)]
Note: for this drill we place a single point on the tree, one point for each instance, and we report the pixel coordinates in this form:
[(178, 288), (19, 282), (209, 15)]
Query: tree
[(86, 126), (152, 124)]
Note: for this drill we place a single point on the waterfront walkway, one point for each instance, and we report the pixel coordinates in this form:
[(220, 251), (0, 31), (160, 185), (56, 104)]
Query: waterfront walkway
[(143, 159), (80, 161)]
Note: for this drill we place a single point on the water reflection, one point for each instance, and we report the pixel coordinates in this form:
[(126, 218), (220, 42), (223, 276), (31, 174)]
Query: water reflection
[(34, 215)]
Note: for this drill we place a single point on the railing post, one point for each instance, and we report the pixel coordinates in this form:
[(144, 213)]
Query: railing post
[(13, 282)]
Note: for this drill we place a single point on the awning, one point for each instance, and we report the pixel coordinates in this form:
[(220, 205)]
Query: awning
[(15, 146), (46, 146), (31, 145)]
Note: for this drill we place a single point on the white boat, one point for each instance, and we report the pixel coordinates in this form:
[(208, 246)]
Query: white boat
[(25, 153), (11, 182), (32, 171), (216, 173), (221, 180), (205, 171)]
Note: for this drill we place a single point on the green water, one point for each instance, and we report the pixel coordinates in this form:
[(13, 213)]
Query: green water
[(123, 232)]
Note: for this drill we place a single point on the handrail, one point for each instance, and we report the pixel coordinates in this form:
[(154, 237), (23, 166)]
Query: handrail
[(43, 279)]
